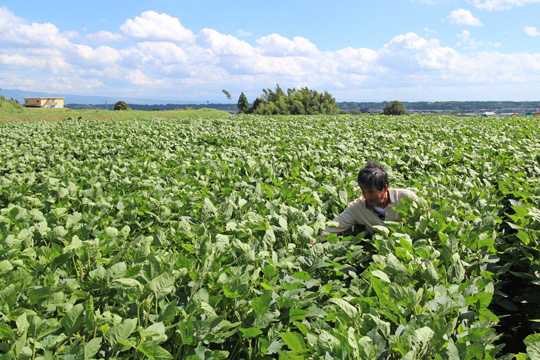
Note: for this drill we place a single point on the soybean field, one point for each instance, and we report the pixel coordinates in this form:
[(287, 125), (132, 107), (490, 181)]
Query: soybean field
[(192, 239)]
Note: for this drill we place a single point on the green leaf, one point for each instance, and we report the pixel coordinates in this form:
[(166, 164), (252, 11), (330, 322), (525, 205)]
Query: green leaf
[(6, 333), (154, 351), (5, 267), (91, 348), (117, 270), (73, 320), (343, 196), (381, 275), (302, 275), (121, 331), (168, 315), (269, 237), (350, 310), (481, 302), (423, 335), (261, 304), (533, 345), (250, 332), (156, 332), (128, 282), (162, 285), (294, 341), (47, 328)]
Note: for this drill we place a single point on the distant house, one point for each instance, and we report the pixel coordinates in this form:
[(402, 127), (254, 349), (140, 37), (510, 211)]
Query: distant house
[(537, 113), (44, 102)]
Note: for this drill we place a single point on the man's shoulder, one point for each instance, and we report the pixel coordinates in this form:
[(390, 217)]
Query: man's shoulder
[(403, 193), (357, 202)]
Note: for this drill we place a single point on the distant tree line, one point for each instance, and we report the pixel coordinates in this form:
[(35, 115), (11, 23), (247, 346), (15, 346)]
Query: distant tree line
[(463, 106), (348, 107), (154, 107)]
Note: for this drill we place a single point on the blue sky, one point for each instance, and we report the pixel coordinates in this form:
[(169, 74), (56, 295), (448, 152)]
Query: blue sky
[(408, 50)]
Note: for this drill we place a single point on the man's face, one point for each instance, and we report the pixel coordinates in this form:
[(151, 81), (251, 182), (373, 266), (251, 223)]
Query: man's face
[(376, 197)]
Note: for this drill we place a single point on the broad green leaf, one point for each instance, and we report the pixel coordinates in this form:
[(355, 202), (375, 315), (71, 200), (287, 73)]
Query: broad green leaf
[(294, 341), (250, 332), (73, 219), (121, 331), (91, 348), (162, 285), (424, 334), (5, 267), (47, 328), (169, 313), (73, 320), (75, 244), (6, 333), (261, 304), (156, 332), (533, 345), (154, 351), (350, 310), (381, 275), (128, 282)]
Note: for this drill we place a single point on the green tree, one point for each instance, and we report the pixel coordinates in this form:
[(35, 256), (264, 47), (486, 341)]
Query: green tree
[(121, 105), (294, 102), (243, 104), (227, 94), (229, 97), (394, 108)]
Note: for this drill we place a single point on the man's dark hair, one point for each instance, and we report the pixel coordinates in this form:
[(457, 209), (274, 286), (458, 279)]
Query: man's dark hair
[(372, 175)]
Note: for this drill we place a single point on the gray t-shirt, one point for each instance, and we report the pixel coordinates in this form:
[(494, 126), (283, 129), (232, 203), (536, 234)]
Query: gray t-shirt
[(359, 212)]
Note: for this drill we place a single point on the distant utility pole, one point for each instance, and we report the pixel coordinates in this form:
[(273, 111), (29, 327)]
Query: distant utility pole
[(106, 105)]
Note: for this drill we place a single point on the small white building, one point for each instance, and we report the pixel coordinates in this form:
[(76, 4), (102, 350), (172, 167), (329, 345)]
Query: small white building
[(44, 102)]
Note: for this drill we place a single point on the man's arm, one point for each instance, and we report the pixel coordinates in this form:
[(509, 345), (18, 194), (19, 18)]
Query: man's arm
[(346, 220)]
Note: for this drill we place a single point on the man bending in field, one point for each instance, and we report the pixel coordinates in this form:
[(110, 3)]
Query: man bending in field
[(376, 204)]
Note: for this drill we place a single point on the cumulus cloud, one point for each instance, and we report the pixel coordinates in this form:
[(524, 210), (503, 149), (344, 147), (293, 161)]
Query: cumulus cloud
[(277, 45), (222, 44), (497, 5), (104, 37), (154, 54), (464, 17), (14, 31), (531, 31), (156, 27)]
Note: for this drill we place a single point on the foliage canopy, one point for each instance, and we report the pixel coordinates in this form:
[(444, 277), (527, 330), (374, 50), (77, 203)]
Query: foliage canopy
[(121, 105), (243, 104), (394, 108), (294, 102), (191, 238)]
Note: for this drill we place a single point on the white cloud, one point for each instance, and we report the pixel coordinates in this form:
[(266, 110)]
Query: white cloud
[(164, 52), (497, 5), (156, 27), (137, 77), (105, 36), (531, 31), (277, 45), (412, 53), (101, 57), (464, 17), (194, 66), (15, 32), (222, 44)]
